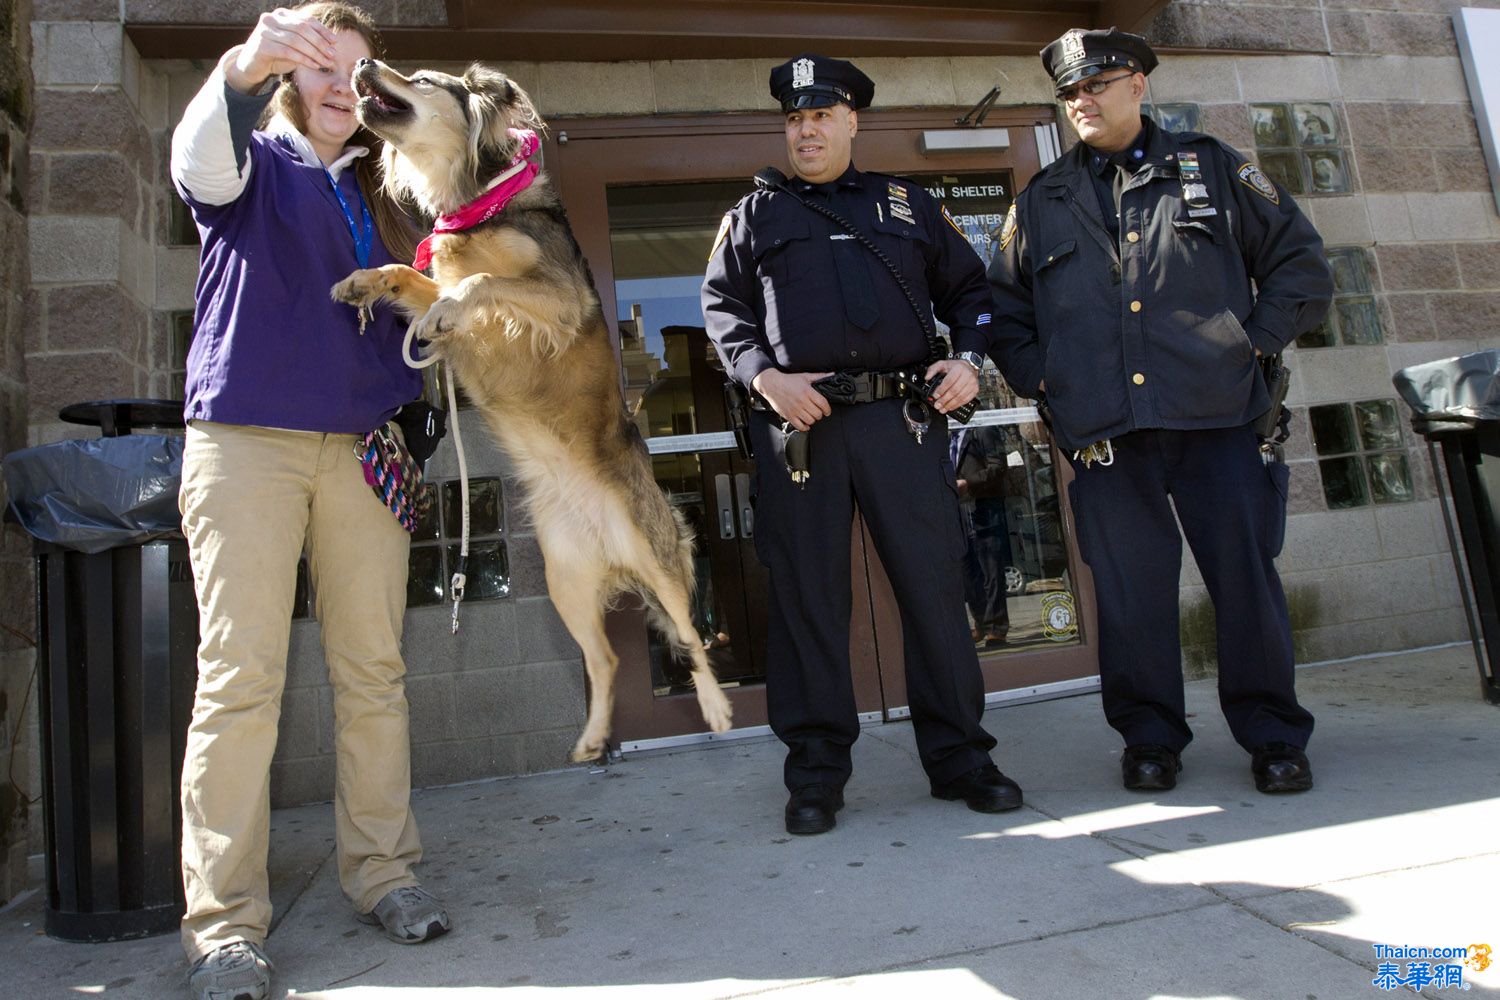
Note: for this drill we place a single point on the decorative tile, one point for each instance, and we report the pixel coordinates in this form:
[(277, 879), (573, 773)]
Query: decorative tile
[(1379, 425), (426, 583), (1326, 171), (1333, 429), (1390, 478), (1271, 125), (1316, 124), (1343, 482)]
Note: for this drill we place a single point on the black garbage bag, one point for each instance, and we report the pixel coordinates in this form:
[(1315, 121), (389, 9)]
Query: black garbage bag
[(1452, 393), (98, 494)]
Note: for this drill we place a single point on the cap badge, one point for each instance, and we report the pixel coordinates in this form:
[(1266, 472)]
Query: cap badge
[(1072, 46), (802, 74)]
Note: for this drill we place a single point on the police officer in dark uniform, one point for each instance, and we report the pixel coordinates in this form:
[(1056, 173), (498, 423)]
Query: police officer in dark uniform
[(791, 298), (1139, 278)]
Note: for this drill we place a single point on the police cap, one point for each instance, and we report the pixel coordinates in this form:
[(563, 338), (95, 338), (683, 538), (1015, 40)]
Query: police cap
[(1080, 54), (811, 81)]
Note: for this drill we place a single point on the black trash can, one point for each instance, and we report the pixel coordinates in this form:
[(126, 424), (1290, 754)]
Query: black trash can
[(1455, 405), (117, 662)]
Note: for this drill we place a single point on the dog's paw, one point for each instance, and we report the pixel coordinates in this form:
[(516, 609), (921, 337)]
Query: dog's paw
[(441, 319), (717, 711), (590, 748), (362, 288)]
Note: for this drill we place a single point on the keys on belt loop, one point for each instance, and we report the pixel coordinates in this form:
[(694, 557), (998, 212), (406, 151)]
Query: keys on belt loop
[(1102, 452)]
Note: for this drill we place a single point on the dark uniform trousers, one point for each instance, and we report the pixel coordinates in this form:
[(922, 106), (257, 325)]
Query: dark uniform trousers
[(859, 454), (1232, 508)]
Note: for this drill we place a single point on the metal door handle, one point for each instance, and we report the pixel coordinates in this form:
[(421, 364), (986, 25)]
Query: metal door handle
[(747, 512), (725, 505)]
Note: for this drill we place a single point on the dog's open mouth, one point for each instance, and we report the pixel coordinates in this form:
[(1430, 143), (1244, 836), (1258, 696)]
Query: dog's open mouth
[(373, 98)]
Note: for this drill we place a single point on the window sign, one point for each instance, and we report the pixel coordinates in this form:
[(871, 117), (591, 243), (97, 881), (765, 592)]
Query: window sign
[(977, 204)]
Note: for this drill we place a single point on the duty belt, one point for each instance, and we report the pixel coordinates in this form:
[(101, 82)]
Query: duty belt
[(851, 387)]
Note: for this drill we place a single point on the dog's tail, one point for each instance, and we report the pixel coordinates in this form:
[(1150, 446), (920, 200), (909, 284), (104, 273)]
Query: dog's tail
[(681, 566), (671, 538)]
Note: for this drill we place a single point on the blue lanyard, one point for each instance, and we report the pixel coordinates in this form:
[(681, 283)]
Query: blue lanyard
[(364, 236)]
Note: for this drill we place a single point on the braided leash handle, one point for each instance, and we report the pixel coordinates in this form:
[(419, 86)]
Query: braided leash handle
[(394, 476)]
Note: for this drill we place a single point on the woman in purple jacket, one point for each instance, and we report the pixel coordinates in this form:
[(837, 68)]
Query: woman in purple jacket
[(281, 384)]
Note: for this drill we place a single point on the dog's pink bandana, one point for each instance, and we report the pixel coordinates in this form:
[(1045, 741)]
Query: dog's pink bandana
[(515, 179)]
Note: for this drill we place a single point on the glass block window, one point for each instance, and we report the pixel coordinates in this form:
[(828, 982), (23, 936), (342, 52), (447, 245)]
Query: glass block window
[(1173, 117), (179, 339), (435, 545), (1300, 147), (181, 230), (1361, 453), (1353, 318)]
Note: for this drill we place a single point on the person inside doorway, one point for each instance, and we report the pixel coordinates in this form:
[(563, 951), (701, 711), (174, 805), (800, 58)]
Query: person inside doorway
[(981, 462)]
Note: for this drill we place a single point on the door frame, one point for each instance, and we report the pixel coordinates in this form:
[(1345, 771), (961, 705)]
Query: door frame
[(663, 149)]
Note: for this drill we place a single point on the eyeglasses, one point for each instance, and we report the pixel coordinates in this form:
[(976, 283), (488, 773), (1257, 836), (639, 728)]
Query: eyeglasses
[(1093, 88)]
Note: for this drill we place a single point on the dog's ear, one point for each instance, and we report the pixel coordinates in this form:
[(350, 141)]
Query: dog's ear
[(489, 95), (495, 104)]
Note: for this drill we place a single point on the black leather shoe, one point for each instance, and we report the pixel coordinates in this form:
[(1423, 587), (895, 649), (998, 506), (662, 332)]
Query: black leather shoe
[(811, 809), (1149, 767), (984, 790), (1280, 767)]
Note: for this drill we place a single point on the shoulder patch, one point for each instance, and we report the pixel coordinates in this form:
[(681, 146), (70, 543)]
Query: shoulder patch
[(1250, 176), (953, 224), (1008, 230), (724, 225)]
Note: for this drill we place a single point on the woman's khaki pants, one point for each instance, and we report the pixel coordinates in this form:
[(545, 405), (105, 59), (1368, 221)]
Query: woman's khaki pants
[(252, 499)]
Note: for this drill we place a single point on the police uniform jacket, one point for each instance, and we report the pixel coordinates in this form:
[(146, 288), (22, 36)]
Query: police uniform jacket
[(1159, 328), (772, 295)]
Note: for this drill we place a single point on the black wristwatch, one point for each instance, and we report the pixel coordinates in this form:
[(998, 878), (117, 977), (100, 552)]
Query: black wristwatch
[(972, 357)]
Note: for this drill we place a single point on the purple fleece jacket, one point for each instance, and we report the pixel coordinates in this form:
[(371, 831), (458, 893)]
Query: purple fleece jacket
[(270, 348)]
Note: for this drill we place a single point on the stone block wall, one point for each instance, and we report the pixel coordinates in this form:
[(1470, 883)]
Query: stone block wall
[(1419, 204), (19, 782), (94, 170)]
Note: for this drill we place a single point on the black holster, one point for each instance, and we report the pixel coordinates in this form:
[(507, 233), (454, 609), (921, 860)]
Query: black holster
[(737, 409), (1274, 426), (796, 451)]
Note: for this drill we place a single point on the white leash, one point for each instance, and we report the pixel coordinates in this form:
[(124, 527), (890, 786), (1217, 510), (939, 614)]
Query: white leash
[(456, 585)]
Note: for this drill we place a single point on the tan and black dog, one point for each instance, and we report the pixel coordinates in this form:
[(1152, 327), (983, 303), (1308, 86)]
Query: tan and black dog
[(511, 306)]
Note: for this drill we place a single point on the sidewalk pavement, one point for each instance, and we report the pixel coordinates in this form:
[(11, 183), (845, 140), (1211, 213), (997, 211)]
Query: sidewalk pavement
[(670, 876)]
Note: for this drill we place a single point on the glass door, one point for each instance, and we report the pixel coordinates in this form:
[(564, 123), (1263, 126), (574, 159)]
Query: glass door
[(645, 197), (672, 387)]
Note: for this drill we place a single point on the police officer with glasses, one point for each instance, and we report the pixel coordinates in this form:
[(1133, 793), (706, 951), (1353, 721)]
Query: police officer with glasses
[(1139, 279), (818, 315)]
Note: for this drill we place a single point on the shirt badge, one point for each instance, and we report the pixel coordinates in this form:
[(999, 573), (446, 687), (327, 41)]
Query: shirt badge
[(802, 74), (899, 205), (1250, 175)]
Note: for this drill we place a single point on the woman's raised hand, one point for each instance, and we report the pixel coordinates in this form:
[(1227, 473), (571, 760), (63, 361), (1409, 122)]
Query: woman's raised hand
[(282, 40)]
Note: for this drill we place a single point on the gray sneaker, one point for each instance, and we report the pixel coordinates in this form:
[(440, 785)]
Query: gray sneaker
[(236, 971), (409, 915)]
